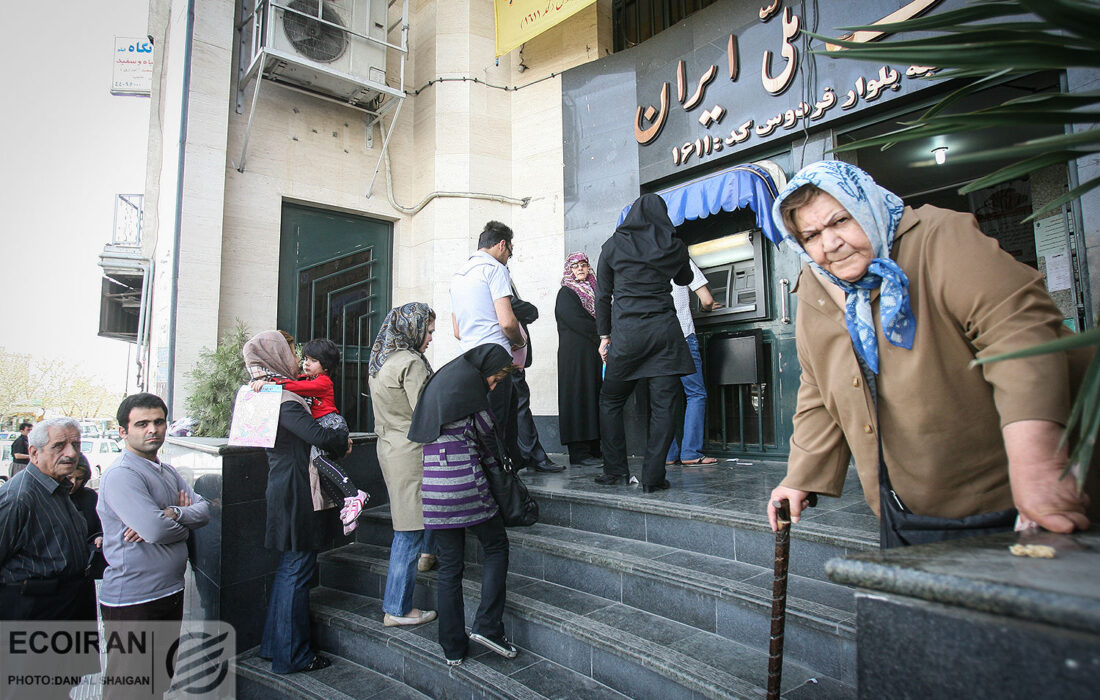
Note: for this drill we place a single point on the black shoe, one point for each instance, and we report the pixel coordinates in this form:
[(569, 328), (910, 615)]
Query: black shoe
[(546, 465), (610, 479), (587, 462), (317, 664), (647, 488), (501, 645)]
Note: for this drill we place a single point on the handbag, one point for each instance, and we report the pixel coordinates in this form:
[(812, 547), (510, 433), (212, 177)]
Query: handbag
[(517, 507), (901, 527)]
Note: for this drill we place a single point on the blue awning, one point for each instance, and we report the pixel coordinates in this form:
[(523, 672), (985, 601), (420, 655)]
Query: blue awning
[(739, 187)]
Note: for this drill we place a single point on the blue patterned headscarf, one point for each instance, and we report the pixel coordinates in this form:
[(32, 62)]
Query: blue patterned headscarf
[(877, 211), (404, 328)]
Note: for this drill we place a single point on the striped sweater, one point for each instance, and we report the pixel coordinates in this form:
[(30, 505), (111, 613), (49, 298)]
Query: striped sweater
[(455, 492)]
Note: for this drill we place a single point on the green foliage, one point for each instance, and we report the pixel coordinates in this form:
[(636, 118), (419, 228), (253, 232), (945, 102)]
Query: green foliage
[(215, 379), (993, 40)]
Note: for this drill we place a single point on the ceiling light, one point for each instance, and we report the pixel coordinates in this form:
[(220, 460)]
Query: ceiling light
[(940, 152)]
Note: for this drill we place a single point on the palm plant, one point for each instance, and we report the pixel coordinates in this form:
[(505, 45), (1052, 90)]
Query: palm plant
[(988, 42)]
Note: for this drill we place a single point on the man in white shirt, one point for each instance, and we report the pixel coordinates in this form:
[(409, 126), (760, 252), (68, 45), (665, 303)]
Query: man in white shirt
[(687, 449), (481, 296)]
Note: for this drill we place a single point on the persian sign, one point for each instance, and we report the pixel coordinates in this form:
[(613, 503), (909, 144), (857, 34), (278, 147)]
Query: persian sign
[(520, 20), (733, 114), (133, 66)]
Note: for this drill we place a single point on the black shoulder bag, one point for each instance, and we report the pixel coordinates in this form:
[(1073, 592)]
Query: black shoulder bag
[(901, 527), (517, 507)]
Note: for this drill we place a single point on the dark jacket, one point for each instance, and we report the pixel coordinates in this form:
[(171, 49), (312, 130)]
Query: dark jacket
[(292, 524)]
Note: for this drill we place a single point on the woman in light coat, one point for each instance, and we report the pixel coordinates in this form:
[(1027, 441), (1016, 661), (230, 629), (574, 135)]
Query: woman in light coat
[(398, 371)]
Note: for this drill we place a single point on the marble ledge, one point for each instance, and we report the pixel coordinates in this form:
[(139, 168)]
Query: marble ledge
[(981, 574), (220, 446)]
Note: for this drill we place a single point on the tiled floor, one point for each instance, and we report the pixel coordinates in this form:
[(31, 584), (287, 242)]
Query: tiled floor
[(737, 486)]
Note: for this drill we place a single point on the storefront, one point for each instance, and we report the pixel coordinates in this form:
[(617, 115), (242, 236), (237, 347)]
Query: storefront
[(732, 90)]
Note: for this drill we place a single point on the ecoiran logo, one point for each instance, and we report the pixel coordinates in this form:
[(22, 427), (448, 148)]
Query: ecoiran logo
[(136, 659)]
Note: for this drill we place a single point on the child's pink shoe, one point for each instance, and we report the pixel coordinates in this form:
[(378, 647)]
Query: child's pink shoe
[(353, 508)]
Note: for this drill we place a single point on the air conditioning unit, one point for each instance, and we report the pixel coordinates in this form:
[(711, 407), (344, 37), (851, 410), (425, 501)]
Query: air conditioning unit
[(325, 46)]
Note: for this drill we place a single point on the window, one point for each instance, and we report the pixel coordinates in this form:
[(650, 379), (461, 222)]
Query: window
[(638, 20)]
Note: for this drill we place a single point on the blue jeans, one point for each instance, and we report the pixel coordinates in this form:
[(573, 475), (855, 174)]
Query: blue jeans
[(286, 631), (401, 577), (694, 413)]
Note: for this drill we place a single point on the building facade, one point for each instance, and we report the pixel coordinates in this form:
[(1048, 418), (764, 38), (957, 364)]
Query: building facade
[(280, 202)]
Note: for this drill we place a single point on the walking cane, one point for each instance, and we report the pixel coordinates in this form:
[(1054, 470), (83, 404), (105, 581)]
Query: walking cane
[(779, 597), (779, 593)]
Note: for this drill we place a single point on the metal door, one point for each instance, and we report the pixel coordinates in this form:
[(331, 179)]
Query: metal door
[(334, 282)]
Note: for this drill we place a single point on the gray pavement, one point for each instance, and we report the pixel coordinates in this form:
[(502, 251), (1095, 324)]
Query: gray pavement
[(738, 486)]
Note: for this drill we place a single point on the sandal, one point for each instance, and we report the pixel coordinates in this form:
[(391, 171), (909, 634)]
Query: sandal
[(701, 460)]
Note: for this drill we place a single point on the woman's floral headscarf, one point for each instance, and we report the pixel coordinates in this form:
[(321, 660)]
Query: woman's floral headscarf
[(404, 328), (877, 211), (586, 290)]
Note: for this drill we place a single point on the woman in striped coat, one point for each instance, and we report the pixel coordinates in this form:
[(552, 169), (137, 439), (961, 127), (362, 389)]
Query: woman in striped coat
[(453, 419)]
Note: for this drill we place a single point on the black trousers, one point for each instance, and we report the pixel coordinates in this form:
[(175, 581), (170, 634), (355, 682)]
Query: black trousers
[(527, 435), (166, 609), (666, 398), (503, 404), (451, 549)]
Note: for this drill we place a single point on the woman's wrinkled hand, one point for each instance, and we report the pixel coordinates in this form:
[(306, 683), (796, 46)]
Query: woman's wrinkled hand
[(605, 344), (798, 500)]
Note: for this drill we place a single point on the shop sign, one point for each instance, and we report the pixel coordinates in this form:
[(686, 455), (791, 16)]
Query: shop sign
[(518, 21), (761, 119), (133, 66)]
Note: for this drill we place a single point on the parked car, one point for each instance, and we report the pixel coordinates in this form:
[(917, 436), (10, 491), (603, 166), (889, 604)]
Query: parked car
[(101, 453), (5, 459)]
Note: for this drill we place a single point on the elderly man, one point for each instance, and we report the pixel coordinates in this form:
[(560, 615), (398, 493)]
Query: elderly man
[(43, 538)]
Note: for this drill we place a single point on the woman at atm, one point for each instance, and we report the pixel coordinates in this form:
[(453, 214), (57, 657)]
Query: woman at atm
[(640, 337), (894, 304)]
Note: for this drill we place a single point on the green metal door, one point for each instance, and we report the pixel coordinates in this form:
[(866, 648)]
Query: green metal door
[(334, 282)]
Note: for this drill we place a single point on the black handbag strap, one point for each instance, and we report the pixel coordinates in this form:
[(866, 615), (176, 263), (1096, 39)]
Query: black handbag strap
[(885, 485)]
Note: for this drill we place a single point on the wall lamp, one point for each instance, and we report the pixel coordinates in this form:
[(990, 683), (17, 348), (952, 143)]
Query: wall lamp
[(940, 152)]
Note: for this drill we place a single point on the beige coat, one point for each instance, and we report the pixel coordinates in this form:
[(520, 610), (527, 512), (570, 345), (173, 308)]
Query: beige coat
[(940, 420), (394, 393)]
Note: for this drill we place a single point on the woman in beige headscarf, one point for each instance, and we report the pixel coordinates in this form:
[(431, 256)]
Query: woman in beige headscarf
[(398, 371), (293, 526)]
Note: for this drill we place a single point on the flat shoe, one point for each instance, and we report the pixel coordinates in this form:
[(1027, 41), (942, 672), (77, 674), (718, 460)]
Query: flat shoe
[(588, 462), (419, 618), (701, 460), (610, 479), (317, 664), (427, 562), (650, 488)]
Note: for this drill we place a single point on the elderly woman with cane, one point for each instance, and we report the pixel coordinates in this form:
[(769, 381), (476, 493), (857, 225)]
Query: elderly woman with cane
[(293, 526), (894, 304)]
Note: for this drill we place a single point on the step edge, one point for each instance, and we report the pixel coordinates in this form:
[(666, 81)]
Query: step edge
[(649, 658)]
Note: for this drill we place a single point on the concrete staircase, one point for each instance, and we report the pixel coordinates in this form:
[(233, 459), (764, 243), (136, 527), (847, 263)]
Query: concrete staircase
[(614, 593)]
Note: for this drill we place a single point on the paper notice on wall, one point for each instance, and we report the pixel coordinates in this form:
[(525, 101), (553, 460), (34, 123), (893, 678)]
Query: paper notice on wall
[(1050, 235), (1059, 274)]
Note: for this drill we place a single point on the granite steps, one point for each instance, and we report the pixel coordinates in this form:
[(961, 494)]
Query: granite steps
[(637, 652)]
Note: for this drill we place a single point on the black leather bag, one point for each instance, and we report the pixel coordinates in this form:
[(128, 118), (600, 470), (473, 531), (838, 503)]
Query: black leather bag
[(901, 527), (517, 507)]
